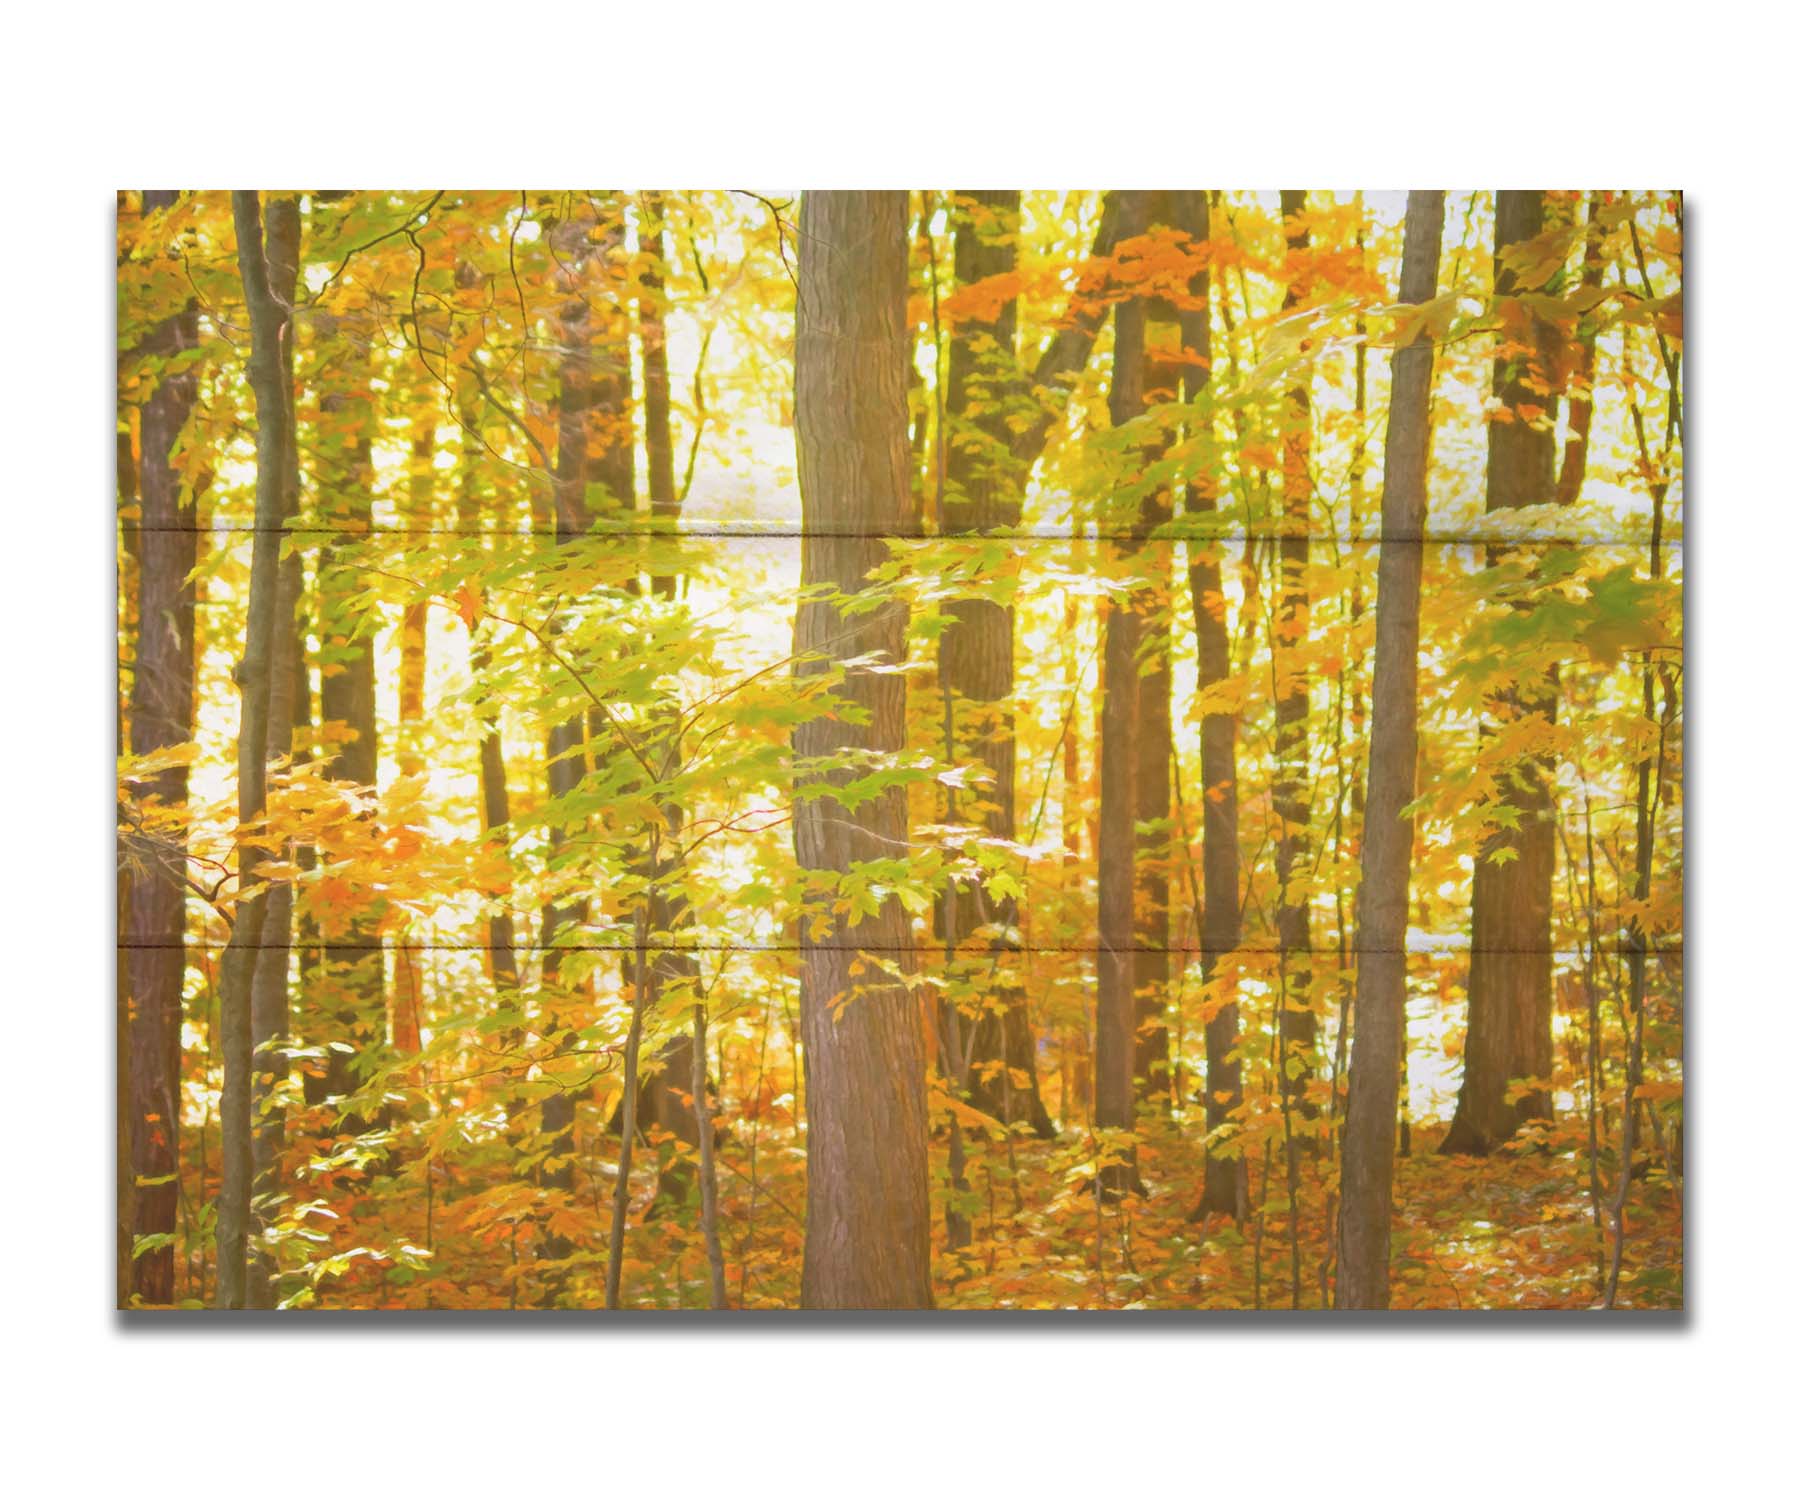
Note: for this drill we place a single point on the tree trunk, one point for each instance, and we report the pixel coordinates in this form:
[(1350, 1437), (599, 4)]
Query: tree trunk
[(496, 808), (153, 929), (1382, 903), (1510, 964), (1152, 786), (983, 490), (1581, 374), (1293, 751), (1226, 1188), (567, 749), (1115, 1052), (665, 1102), (348, 1004), (269, 297), (867, 1198)]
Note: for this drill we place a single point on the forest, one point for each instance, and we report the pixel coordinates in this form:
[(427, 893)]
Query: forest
[(950, 749)]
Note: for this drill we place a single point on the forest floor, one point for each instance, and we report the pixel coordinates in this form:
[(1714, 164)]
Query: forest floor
[(1515, 1230)]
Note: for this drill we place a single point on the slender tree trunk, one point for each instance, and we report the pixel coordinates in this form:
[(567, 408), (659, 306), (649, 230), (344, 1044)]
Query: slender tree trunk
[(1510, 996), (983, 490), (567, 749), (1226, 1188), (1293, 749), (1115, 1010), (1581, 374), (1151, 785), (269, 1012), (1383, 900), (496, 804), (666, 1102), (868, 1204), (153, 922), (347, 1008), (269, 298)]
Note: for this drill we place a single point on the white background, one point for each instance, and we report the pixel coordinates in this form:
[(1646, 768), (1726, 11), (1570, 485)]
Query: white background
[(1327, 96)]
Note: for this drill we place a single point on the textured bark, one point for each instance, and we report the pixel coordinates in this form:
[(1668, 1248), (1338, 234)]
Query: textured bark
[(1067, 352), (496, 804), (269, 977), (270, 355), (666, 1102), (1368, 1163), (1115, 1013), (1152, 789), (566, 749), (867, 1199), (347, 1007), (1226, 1186), (1581, 374), (1293, 765), (152, 930), (1510, 965), (983, 489), (269, 1010)]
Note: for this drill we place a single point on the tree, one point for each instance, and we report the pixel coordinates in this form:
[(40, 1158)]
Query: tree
[(1226, 1188), (346, 1011), (574, 241), (1293, 752), (867, 1205), (1152, 786), (266, 266), (666, 1099), (162, 715), (269, 1011), (1115, 1017), (1511, 958), (983, 489), (1383, 897)]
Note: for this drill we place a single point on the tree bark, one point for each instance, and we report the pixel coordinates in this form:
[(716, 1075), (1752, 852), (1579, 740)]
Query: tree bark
[(1510, 964), (347, 1009), (665, 1102), (153, 930), (271, 331), (1226, 1187), (567, 748), (983, 491), (1293, 751), (868, 1204), (1115, 1051), (1383, 900), (1152, 788)]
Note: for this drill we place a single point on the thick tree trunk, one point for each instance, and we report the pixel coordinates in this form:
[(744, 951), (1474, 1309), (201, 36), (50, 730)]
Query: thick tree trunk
[(867, 1198), (269, 304), (1510, 964), (1115, 1051), (983, 490), (153, 924), (1382, 903)]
